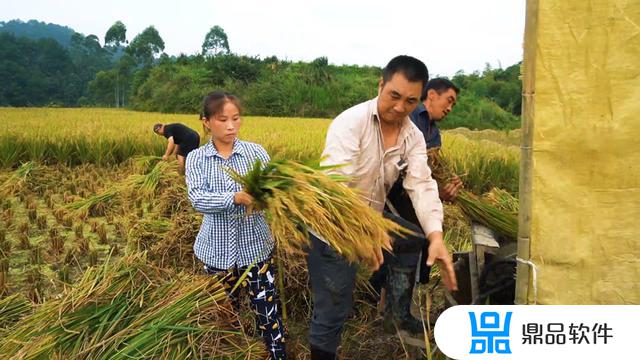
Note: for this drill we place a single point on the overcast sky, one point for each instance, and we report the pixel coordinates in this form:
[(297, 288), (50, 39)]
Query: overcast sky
[(448, 35)]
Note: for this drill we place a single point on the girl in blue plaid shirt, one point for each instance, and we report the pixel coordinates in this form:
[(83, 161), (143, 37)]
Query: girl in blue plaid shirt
[(230, 239)]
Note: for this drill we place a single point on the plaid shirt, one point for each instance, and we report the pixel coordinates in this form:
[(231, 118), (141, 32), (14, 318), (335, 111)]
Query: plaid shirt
[(228, 236)]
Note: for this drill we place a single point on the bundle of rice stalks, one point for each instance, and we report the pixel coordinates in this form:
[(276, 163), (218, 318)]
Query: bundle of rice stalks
[(28, 176), (130, 309), (12, 308), (476, 208), (147, 185), (503, 200), (486, 213), (297, 197), (142, 164), (96, 205), (137, 186)]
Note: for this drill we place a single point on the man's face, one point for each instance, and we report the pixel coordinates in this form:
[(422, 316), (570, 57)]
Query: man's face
[(440, 105), (397, 98)]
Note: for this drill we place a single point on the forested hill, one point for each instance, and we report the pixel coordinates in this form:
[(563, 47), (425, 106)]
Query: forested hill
[(34, 30), (52, 65)]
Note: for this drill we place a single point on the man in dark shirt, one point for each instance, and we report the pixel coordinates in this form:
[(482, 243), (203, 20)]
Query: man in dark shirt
[(438, 99), (182, 140)]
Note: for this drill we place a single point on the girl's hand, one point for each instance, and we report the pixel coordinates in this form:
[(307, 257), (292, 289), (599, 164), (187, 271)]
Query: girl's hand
[(242, 198)]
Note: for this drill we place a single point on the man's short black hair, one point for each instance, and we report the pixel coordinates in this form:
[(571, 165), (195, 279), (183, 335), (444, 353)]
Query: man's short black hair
[(439, 85), (413, 69), (157, 127)]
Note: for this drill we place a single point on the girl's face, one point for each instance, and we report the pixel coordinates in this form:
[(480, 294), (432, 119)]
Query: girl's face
[(225, 125)]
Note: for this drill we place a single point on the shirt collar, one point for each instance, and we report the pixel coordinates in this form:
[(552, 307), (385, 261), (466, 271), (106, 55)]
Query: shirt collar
[(422, 109), (210, 149)]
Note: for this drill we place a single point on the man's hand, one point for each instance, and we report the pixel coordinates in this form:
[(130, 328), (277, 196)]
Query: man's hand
[(165, 157), (379, 260), (450, 191), (242, 198), (438, 252)]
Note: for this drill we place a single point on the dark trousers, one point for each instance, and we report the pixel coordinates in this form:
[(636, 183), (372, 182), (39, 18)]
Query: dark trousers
[(333, 280), (260, 284)]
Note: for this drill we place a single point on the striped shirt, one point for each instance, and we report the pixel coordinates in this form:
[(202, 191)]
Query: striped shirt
[(228, 236)]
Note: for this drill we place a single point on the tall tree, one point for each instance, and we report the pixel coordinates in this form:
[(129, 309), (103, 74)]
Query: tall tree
[(216, 42), (116, 35), (114, 40), (146, 45)]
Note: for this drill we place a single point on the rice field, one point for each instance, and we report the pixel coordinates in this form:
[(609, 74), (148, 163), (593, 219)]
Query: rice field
[(83, 194)]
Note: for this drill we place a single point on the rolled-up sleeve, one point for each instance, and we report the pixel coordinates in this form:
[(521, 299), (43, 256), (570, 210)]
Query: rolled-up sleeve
[(421, 187), (202, 200)]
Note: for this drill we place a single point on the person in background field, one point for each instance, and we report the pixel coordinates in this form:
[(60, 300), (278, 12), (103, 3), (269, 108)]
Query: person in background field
[(375, 141), (181, 141), (230, 239)]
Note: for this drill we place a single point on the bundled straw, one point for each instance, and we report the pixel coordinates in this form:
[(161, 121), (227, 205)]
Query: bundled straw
[(12, 308), (132, 310), (145, 185), (297, 197), (94, 205), (479, 209), (29, 175), (148, 184)]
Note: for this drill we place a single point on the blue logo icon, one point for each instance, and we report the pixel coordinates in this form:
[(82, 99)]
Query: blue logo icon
[(489, 338)]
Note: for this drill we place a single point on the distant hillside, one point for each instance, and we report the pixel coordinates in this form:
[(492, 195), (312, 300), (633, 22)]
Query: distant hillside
[(35, 30)]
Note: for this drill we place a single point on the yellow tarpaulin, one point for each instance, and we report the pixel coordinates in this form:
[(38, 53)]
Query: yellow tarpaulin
[(580, 172)]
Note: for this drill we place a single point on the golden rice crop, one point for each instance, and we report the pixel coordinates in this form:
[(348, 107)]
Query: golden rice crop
[(110, 136)]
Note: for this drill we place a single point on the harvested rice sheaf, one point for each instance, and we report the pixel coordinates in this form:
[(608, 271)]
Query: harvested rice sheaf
[(132, 309), (496, 211), (297, 197)]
